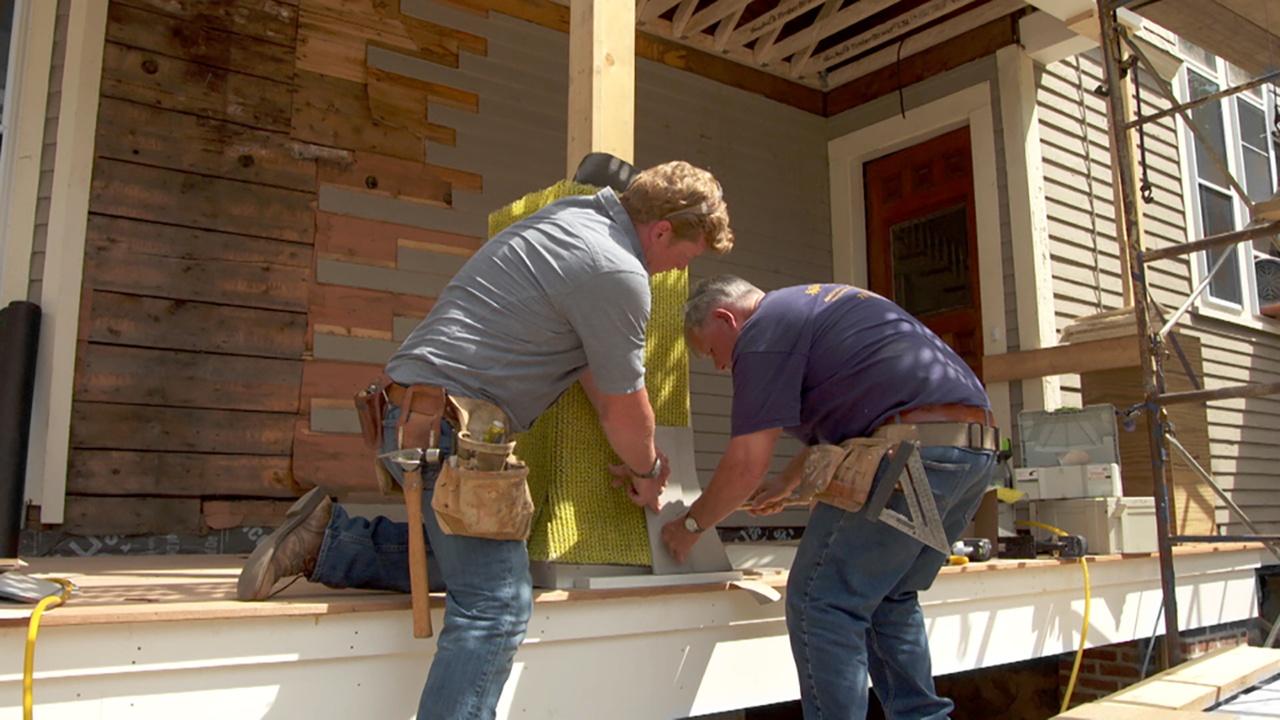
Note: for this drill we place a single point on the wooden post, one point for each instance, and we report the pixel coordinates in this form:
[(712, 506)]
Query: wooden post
[(602, 79)]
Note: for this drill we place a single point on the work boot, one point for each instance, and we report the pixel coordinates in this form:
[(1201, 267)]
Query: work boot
[(290, 550)]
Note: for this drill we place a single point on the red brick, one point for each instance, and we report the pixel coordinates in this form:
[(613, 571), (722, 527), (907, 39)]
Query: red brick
[(1118, 670), (1106, 686), (1102, 653)]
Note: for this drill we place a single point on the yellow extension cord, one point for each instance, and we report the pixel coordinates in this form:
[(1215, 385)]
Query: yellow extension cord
[(33, 628), (1084, 625)]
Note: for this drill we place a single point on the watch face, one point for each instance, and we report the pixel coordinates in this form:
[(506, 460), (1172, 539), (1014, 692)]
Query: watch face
[(691, 525)]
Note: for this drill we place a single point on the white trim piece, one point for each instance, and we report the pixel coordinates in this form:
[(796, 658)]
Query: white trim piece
[(64, 257), (28, 86), (1028, 219), (847, 154)]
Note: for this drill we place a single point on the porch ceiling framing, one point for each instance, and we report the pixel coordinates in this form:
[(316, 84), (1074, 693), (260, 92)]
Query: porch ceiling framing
[(839, 42)]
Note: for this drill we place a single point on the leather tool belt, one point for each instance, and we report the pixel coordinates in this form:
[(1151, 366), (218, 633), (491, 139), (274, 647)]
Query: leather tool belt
[(482, 489)]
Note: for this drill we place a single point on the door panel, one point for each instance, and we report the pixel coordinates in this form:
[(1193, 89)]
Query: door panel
[(922, 243)]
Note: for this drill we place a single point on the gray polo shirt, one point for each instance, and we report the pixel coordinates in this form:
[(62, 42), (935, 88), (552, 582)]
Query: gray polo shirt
[(560, 291)]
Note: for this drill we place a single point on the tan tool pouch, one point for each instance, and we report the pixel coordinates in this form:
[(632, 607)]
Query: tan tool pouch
[(492, 504), (371, 406), (851, 479)]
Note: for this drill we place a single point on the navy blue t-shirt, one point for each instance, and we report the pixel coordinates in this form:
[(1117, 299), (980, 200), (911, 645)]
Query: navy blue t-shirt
[(831, 362)]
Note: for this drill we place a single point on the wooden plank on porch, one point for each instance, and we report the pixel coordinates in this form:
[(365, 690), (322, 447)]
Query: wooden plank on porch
[(273, 21), (178, 141), (128, 472), (178, 198), (143, 258), (115, 426), (1061, 360), (392, 177), (154, 79), (131, 516), (195, 326), (334, 112), (146, 376), (198, 42)]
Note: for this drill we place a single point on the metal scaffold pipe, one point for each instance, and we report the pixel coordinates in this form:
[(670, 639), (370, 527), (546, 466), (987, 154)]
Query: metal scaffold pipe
[(1151, 371)]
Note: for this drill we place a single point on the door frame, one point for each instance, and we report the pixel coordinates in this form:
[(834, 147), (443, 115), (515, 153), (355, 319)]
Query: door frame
[(846, 156)]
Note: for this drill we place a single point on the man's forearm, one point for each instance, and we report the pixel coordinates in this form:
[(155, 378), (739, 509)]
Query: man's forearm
[(738, 474), (629, 428)]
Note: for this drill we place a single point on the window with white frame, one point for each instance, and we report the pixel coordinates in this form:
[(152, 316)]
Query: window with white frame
[(1241, 129)]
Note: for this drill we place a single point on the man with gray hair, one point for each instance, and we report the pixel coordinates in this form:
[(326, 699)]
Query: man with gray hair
[(826, 363)]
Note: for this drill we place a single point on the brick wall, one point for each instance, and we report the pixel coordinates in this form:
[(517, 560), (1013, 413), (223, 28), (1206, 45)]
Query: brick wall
[(1109, 668)]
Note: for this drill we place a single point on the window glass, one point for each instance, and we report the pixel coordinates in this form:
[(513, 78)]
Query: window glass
[(1217, 215), (1253, 145), (1209, 119)]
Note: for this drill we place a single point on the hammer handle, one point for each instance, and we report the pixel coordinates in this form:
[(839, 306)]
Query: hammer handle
[(418, 583)]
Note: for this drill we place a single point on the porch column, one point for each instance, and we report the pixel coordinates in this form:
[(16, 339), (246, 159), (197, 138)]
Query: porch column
[(602, 79)]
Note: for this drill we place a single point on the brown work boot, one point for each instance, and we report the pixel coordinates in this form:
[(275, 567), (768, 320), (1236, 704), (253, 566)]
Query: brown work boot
[(290, 550)]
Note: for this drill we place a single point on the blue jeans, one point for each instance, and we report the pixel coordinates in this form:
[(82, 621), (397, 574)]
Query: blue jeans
[(489, 595), (852, 598)]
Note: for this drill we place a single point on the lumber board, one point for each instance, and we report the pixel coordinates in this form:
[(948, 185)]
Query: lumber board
[(405, 180), (147, 376), (401, 101), (425, 33), (339, 463), (271, 20), (154, 79), (1061, 360), (224, 514), (335, 112), (334, 37), (1200, 683), (195, 326), (124, 472), (178, 198), (977, 43), (178, 141), (1105, 710), (115, 426), (360, 308), (147, 238), (335, 379), (117, 267), (375, 242), (88, 515), (198, 42)]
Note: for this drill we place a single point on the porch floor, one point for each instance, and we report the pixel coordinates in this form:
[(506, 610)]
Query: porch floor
[(162, 588)]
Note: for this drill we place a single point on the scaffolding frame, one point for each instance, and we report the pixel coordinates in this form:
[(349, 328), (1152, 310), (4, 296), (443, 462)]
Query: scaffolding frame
[(1115, 40)]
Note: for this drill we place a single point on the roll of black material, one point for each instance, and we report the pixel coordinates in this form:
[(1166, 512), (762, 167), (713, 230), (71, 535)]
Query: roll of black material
[(19, 341)]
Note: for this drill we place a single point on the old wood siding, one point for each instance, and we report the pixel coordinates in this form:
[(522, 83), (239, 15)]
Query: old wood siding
[(40, 234), (1086, 270), (273, 210)]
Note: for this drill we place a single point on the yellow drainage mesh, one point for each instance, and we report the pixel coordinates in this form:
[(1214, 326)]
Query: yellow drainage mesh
[(581, 518)]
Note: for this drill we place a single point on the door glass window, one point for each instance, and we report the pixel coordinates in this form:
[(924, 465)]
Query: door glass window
[(931, 262)]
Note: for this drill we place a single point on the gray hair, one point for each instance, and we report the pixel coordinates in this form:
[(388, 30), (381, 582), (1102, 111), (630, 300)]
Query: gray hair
[(715, 292)]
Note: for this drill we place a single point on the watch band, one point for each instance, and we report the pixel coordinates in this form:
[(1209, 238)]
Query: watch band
[(654, 471)]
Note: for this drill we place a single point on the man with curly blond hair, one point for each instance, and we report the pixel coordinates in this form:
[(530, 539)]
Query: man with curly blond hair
[(559, 297)]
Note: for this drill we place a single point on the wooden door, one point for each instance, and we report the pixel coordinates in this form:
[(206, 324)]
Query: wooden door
[(922, 242)]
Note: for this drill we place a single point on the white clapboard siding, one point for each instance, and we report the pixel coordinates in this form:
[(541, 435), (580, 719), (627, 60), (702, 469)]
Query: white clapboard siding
[(1244, 434)]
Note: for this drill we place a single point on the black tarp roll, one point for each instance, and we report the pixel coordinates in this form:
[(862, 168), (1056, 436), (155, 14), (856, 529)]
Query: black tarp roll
[(19, 340)]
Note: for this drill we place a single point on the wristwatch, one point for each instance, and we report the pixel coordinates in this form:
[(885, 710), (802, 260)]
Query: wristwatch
[(692, 525), (654, 471)]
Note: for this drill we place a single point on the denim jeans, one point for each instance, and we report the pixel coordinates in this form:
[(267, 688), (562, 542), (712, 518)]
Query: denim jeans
[(852, 598), (488, 594)]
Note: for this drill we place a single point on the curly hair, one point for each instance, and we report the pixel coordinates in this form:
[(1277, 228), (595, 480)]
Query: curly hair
[(688, 197)]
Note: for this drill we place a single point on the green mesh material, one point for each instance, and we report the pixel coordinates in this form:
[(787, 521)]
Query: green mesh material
[(581, 517)]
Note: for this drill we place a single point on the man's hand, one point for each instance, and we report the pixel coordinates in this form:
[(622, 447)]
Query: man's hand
[(678, 540), (773, 493), (642, 491)]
